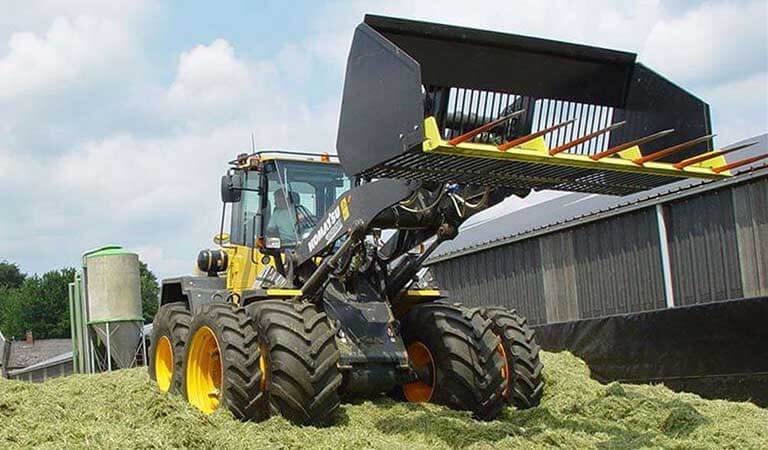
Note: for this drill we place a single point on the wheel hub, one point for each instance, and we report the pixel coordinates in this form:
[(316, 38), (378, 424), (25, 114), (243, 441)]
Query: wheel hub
[(423, 364), (204, 371), (164, 364)]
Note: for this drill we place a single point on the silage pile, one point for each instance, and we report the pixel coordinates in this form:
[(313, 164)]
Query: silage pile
[(124, 410)]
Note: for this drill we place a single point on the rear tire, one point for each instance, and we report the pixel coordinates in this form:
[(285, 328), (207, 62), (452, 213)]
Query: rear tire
[(303, 378), (221, 365), (466, 368), (523, 366), (170, 330)]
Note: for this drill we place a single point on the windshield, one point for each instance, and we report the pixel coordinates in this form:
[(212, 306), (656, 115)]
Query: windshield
[(298, 194)]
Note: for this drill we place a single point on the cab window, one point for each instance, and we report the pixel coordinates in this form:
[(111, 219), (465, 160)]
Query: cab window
[(246, 213)]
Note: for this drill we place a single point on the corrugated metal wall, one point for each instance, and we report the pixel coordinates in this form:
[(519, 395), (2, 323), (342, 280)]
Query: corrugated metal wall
[(750, 205), (717, 243), (509, 275), (618, 265), (703, 248)]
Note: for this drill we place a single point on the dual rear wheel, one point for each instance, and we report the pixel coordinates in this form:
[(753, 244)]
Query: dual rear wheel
[(273, 357), (476, 359), (454, 354)]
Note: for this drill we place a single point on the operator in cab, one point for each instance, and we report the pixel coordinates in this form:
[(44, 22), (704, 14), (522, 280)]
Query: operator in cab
[(282, 221)]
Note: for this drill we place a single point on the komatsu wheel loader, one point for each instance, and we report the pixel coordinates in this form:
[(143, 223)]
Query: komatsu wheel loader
[(313, 293)]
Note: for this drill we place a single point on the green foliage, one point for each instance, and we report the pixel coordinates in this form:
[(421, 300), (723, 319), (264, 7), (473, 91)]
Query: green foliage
[(10, 275), (41, 303), (150, 292)]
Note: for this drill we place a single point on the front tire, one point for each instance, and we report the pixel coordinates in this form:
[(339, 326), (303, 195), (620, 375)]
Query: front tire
[(170, 331), (454, 350), (302, 372), (222, 363), (523, 367)]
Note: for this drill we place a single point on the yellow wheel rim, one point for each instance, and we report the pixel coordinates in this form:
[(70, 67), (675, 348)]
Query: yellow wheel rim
[(204, 374), (164, 364), (263, 367), (421, 358), (504, 368)]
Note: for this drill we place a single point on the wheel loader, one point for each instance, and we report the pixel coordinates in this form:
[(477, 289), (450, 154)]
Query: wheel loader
[(313, 293)]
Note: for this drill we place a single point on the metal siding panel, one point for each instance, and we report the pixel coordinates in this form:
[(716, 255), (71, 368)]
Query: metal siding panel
[(751, 215), (559, 277), (496, 286), (703, 248), (589, 300), (618, 265), (508, 276)]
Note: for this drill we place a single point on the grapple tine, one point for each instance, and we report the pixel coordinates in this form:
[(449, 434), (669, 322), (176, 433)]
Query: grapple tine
[(670, 150), (483, 128), (515, 142), (707, 156), (739, 163), (626, 145), (585, 138)]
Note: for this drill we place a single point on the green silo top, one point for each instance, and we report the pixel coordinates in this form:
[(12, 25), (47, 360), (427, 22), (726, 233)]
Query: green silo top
[(107, 250)]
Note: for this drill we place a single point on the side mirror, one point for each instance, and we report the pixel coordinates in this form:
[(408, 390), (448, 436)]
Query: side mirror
[(231, 188)]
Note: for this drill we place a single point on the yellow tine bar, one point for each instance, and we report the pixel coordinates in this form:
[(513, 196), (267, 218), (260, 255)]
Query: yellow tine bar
[(585, 138), (707, 156), (674, 149), (626, 145), (736, 164), (521, 140)]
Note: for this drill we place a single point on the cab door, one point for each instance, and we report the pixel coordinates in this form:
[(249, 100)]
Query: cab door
[(245, 232)]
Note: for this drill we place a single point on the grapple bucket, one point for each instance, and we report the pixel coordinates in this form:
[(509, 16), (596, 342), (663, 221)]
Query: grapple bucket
[(440, 103)]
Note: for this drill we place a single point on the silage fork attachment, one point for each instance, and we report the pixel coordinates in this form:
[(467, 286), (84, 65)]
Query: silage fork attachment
[(442, 104)]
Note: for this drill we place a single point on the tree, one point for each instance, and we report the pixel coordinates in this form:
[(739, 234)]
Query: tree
[(150, 292), (55, 285), (10, 275), (11, 310), (40, 304)]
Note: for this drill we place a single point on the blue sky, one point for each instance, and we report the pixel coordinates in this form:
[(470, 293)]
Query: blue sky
[(116, 118)]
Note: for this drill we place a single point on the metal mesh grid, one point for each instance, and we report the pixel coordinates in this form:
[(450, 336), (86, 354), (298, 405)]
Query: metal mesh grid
[(438, 168)]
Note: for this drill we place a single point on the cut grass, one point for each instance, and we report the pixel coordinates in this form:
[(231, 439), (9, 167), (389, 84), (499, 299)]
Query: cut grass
[(124, 410)]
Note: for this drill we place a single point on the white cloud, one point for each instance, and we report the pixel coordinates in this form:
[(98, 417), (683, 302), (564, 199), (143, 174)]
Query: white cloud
[(743, 111), (157, 191), (210, 79), (712, 43), (69, 51)]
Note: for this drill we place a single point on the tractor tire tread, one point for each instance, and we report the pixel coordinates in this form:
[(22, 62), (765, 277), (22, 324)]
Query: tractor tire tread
[(464, 348), (241, 374), (172, 320), (526, 369), (304, 378)]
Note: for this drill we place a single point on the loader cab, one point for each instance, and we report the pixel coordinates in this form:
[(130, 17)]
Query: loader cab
[(282, 196)]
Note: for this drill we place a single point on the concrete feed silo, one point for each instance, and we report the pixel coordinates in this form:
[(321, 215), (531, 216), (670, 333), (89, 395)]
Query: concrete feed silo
[(113, 292)]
